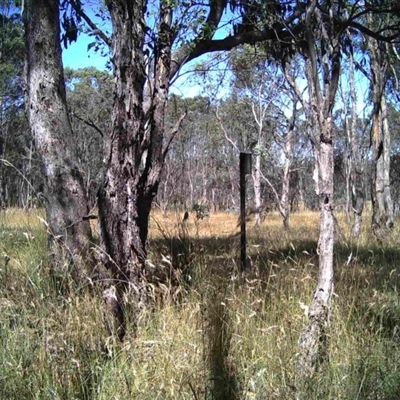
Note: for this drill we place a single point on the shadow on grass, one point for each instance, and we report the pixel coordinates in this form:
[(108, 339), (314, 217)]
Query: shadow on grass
[(378, 262), (223, 375), (366, 275)]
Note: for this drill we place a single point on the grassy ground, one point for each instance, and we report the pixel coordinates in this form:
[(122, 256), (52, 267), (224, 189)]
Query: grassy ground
[(212, 333)]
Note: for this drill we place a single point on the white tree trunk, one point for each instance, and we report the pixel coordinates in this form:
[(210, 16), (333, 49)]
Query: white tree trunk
[(313, 339), (387, 193), (324, 60), (257, 188), (285, 205)]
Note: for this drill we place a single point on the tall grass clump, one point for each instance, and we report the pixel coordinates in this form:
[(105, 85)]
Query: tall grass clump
[(50, 341), (211, 332)]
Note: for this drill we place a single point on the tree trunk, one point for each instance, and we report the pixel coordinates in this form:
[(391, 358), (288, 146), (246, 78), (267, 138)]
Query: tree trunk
[(348, 168), (135, 152), (257, 188), (356, 169), (285, 203), (348, 159), (357, 188), (123, 218), (301, 193), (2, 172), (66, 202), (382, 206), (387, 192), (357, 199), (314, 338)]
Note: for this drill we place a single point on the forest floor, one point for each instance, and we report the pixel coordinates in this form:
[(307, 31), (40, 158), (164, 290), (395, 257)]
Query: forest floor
[(211, 331)]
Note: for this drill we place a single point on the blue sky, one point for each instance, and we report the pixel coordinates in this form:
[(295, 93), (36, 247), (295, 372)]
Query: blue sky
[(77, 55)]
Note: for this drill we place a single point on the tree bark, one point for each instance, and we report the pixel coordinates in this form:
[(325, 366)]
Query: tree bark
[(257, 188), (123, 217), (382, 206), (135, 148), (314, 338), (66, 201), (356, 170), (2, 172), (285, 204), (259, 111), (387, 191)]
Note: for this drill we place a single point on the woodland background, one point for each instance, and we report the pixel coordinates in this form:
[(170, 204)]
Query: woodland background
[(202, 164), (311, 89)]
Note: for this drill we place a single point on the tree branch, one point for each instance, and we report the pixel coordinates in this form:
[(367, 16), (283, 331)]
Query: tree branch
[(299, 95), (172, 133), (368, 32), (89, 123), (225, 132), (96, 31), (215, 15), (203, 45), (276, 194)]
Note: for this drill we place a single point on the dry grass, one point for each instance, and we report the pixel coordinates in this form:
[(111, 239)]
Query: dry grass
[(225, 225), (213, 333)]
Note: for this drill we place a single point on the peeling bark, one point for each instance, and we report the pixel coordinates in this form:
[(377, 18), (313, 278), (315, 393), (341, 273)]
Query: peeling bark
[(135, 149), (314, 338), (123, 214)]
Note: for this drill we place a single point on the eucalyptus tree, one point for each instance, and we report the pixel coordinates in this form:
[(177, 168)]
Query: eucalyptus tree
[(66, 201), (320, 49), (320, 37), (382, 204), (15, 145), (355, 127), (199, 167), (318, 31), (375, 68), (393, 116), (268, 125), (89, 97), (151, 43)]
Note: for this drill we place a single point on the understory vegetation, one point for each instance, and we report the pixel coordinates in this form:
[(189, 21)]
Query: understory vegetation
[(210, 332)]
